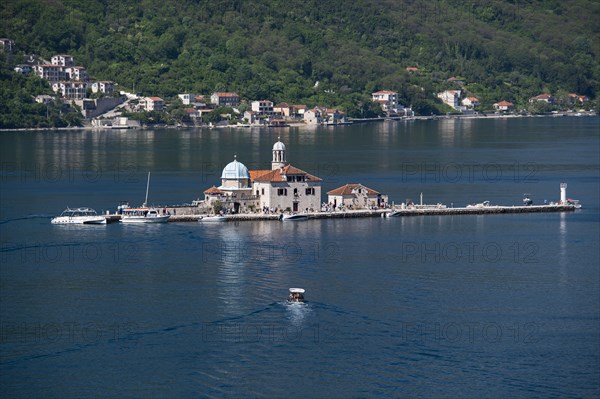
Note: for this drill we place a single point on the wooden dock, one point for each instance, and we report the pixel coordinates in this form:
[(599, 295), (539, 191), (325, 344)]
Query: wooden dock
[(396, 212)]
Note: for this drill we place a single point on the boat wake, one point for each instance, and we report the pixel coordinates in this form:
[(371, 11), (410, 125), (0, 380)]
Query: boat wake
[(28, 217)]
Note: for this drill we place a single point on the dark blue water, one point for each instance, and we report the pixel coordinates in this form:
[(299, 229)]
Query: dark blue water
[(452, 306)]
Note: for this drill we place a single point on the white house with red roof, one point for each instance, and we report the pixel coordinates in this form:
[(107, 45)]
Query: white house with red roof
[(356, 196), (470, 102), (283, 187), (503, 106)]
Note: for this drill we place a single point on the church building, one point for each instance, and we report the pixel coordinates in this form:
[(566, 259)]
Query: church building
[(283, 187)]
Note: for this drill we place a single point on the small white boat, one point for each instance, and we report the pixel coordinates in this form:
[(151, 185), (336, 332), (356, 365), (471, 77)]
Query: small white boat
[(212, 219), (79, 216), (294, 217), (394, 214), (574, 202), (143, 215), (296, 295), (483, 204)]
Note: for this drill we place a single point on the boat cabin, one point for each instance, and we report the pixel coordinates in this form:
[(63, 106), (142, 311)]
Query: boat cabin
[(296, 295)]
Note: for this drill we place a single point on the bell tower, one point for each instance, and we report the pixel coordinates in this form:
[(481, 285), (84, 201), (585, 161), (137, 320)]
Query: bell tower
[(278, 155)]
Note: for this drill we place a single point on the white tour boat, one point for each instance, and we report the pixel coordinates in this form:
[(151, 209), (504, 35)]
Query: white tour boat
[(79, 216), (294, 217), (143, 214)]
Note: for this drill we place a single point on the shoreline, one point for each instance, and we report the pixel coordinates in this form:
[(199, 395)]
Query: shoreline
[(302, 125)]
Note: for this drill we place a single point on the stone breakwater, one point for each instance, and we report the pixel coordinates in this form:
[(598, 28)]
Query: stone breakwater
[(392, 213)]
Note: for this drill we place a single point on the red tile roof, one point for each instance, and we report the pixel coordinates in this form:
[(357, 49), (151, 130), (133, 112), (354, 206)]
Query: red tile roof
[(256, 173), (504, 104), (544, 96), (213, 190), (226, 94), (347, 189), (278, 175)]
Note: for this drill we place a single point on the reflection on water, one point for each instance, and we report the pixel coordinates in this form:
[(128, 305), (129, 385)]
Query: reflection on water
[(563, 256), (410, 300)]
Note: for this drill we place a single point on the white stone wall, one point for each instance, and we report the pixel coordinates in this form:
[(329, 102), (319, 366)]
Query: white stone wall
[(270, 199)]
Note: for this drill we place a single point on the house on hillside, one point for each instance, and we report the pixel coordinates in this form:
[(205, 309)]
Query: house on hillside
[(64, 60), (324, 116), (503, 106), (50, 72), (545, 97), (152, 104), (71, 90), (262, 107), (388, 100), (455, 80), (583, 99), (186, 99), (23, 69), (356, 196), (44, 99), (576, 98), (225, 99), (76, 73), (297, 111), (7, 44), (471, 102), (103, 86), (451, 98), (282, 109)]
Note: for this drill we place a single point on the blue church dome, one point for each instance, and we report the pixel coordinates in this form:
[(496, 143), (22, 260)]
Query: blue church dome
[(235, 170)]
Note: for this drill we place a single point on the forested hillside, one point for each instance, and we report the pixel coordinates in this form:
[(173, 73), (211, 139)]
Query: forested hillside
[(280, 49)]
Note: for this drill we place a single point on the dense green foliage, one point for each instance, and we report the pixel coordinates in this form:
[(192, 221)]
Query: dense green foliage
[(279, 50)]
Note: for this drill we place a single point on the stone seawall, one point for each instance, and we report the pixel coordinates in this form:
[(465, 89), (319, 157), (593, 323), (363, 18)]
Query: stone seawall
[(379, 213)]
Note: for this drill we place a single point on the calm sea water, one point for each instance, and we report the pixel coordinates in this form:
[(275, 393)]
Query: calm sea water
[(452, 306)]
